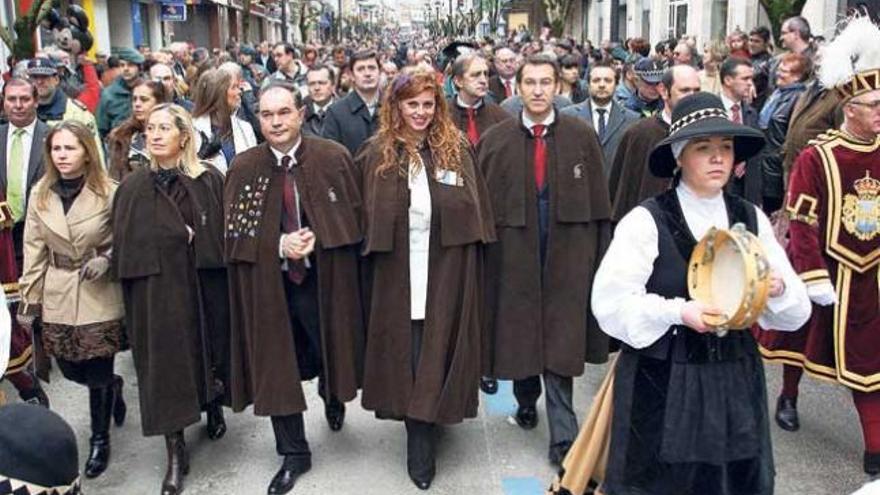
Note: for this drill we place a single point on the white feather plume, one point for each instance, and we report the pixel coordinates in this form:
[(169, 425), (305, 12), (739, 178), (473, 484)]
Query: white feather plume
[(855, 49)]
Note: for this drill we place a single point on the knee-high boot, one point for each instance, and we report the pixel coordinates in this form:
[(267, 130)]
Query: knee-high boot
[(118, 403), (178, 464), (100, 408)]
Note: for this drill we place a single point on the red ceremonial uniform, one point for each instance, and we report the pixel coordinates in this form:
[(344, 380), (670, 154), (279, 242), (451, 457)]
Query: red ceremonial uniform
[(21, 348), (834, 207)]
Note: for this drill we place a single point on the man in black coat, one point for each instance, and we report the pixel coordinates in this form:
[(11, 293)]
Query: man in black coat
[(322, 94), (736, 88), (353, 119)]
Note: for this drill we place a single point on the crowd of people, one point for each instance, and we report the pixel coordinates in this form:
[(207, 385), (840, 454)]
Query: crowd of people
[(415, 219)]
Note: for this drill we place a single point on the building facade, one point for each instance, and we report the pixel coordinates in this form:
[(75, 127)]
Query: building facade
[(657, 20)]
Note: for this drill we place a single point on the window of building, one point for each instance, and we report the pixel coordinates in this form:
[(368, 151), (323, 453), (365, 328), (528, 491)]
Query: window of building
[(678, 12)]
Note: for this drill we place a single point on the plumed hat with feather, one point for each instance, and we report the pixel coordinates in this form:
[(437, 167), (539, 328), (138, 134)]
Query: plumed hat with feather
[(851, 61)]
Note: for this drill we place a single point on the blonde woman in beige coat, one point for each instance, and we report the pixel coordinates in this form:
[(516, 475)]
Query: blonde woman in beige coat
[(67, 242)]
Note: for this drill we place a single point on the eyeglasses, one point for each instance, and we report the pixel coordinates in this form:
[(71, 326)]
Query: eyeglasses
[(872, 105)]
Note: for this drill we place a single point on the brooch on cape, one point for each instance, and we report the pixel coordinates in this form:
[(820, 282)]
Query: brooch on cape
[(244, 215), (578, 171)]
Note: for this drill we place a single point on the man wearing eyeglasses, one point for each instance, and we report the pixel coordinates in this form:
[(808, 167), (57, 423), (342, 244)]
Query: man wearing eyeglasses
[(833, 204)]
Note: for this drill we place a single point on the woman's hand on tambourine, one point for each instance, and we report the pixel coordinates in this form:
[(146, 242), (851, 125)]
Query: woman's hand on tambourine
[(777, 285), (693, 314)]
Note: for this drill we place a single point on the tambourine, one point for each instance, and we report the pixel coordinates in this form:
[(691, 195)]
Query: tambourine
[(729, 270)]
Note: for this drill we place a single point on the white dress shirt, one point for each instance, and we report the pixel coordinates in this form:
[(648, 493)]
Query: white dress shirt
[(27, 141), (530, 124), (419, 238), (626, 311), (595, 114), (278, 157), (728, 104)]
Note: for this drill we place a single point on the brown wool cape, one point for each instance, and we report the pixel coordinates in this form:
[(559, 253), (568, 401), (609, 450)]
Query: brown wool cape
[(175, 295), (445, 385), (264, 368), (631, 181), (542, 321), (487, 115)]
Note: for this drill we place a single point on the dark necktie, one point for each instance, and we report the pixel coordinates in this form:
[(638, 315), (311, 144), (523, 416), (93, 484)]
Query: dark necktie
[(540, 156), (602, 124), (296, 269), (472, 133)]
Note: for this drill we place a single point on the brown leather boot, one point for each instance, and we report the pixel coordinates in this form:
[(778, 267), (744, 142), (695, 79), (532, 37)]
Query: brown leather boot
[(178, 464)]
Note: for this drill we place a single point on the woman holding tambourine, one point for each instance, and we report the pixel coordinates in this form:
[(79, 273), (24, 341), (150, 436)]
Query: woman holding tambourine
[(690, 411)]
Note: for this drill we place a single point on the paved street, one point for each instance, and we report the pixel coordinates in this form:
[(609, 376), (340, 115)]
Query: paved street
[(489, 455)]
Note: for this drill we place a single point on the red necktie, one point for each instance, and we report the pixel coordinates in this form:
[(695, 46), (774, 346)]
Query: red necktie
[(540, 156), (508, 89), (472, 133), (296, 269), (735, 115)]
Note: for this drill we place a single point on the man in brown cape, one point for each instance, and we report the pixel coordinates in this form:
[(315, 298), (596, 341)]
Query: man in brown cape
[(292, 209), (549, 195), (472, 110), (631, 181)]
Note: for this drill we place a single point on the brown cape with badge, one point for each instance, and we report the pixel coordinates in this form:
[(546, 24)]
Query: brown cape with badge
[(630, 181), (264, 369), (539, 318), (174, 288), (445, 387)]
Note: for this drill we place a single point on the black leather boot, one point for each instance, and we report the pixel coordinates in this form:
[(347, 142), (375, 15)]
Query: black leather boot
[(119, 407), (334, 413), (216, 424), (420, 452), (178, 464), (34, 395), (786, 414), (100, 405), (488, 385)]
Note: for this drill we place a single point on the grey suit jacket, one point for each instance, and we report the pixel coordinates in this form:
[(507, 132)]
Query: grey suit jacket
[(35, 161), (619, 120)]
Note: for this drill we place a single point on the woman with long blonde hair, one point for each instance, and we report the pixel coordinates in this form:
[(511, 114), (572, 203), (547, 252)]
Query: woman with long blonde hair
[(67, 251), (427, 217), (168, 254)]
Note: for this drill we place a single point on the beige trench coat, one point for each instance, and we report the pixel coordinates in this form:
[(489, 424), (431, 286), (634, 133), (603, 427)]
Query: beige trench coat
[(86, 229)]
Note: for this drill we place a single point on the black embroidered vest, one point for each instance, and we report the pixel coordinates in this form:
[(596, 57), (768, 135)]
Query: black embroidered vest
[(669, 279)]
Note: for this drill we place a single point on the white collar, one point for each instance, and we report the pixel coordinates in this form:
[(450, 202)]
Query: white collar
[(728, 103), (322, 108), (529, 123), (462, 104), (28, 129), (667, 117), (595, 107), (687, 194), (291, 153)]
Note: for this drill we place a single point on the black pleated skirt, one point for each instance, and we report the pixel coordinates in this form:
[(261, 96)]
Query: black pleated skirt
[(692, 424)]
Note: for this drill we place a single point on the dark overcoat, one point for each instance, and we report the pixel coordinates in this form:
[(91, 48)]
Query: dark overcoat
[(631, 181), (539, 318), (175, 295), (349, 123), (444, 388), (264, 368)]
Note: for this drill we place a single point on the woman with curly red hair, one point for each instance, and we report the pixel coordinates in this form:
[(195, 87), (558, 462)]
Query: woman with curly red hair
[(427, 216)]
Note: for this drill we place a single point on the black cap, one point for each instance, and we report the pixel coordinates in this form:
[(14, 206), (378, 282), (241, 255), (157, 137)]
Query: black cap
[(650, 70), (703, 115), (37, 447), (41, 67)]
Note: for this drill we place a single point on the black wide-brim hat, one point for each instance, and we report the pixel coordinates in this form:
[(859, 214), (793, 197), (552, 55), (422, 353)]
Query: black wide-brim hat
[(702, 115)]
